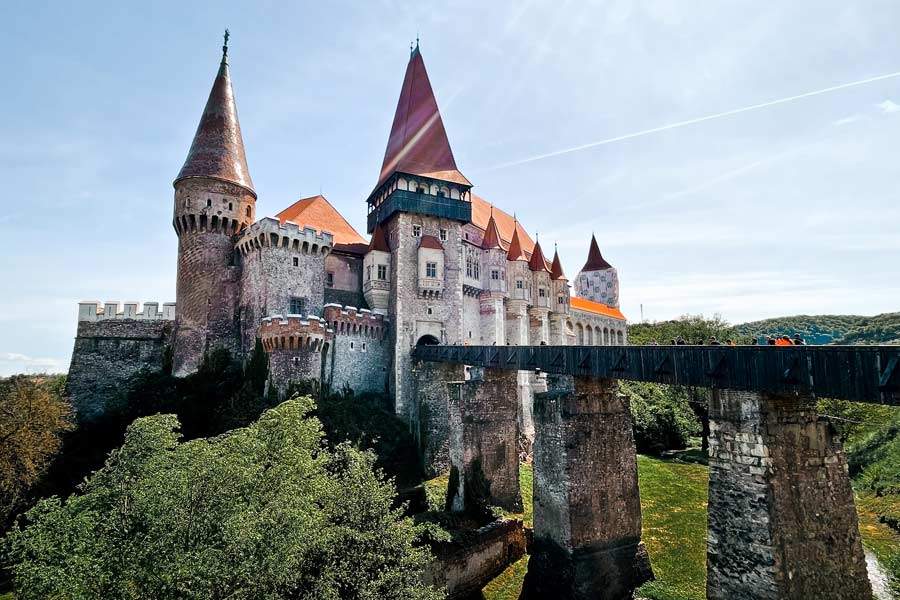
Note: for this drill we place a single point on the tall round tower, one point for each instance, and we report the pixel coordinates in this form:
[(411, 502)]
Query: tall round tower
[(598, 280), (214, 200)]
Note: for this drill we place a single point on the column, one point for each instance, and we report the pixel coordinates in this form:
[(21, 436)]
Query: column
[(782, 521), (432, 383), (587, 510)]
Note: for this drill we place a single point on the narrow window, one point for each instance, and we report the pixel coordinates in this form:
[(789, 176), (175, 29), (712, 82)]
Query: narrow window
[(248, 211), (296, 261), (369, 273), (520, 284), (229, 206), (351, 345), (429, 310), (208, 202), (417, 231), (431, 269), (364, 347), (443, 235), (542, 292), (495, 274), (382, 272), (329, 279)]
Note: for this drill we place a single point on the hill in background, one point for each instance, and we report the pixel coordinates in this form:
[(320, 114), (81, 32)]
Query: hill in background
[(829, 329)]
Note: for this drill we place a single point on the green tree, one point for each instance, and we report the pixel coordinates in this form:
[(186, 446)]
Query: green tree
[(33, 416), (266, 511)]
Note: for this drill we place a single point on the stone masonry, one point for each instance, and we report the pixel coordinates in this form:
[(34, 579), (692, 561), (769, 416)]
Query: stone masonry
[(587, 512), (782, 522), (484, 458)]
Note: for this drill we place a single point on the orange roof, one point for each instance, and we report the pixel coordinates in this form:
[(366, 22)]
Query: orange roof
[(318, 213), (481, 214), (597, 308), (418, 143)]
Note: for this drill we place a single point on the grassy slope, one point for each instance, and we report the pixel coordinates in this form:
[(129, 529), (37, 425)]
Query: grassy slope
[(673, 499)]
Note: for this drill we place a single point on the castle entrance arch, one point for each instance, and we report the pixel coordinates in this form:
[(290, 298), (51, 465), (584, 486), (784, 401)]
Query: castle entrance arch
[(427, 340)]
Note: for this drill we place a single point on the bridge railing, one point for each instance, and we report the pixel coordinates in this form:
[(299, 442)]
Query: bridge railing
[(858, 373)]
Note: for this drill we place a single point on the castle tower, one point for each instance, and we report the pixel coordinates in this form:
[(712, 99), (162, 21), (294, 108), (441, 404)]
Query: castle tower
[(492, 313), (519, 283), (559, 299), (214, 200), (421, 201), (538, 314), (598, 280), (377, 272)]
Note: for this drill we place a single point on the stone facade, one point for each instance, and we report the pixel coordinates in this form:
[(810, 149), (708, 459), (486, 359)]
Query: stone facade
[(782, 522)]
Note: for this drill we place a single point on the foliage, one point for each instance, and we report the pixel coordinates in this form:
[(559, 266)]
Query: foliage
[(266, 511), (663, 418), (830, 329), (33, 417), (693, 328)]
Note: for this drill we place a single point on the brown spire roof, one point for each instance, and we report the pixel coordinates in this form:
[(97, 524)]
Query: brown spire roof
[(218, 148), (595, 261), (418, 144), (379, 241), (556, 271), (429, 241), (491, 237), (515, 247), (538, 262)]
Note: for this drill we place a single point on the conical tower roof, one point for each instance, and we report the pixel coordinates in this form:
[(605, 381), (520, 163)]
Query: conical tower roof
[(515, 247), (217, 151), (595, 261), (418, 144), (491, 239), (556, 270), (538, 262), (379, 241)]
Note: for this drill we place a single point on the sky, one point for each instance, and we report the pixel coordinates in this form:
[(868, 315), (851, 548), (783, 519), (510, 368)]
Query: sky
[(683, 134)]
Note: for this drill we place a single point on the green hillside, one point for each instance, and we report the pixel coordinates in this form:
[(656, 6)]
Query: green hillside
[(830, 329)]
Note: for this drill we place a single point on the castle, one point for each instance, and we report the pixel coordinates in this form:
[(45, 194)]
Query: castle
[(442, 266)]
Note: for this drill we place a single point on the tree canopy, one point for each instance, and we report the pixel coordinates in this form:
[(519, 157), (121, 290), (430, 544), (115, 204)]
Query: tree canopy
[(266, 511)]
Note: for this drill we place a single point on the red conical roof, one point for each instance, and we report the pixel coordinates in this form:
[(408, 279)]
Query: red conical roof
[(595, 261), (379, 241), (418, 144), (537, 262), (491, 239), (218, 148), (556, 270), (515, 247)]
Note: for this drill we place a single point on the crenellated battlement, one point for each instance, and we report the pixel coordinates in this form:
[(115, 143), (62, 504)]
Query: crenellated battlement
[(271, 233), (94, 311), (294, 332), (349, 320)]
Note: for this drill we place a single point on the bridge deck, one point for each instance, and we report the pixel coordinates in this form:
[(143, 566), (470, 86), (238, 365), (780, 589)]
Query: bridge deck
[(859, 373)]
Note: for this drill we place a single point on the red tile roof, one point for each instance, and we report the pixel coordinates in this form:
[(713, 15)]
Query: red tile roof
[(318, 213), (491, 239), (482, 210), (515, 248), (595, 261), (418, 142), (429, 241), (379, 241), (556, 271), (218, 147), (537, 261), (596, 308)]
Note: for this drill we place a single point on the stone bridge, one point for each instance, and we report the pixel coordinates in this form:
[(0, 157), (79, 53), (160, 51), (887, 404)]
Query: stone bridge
[(782, 521)]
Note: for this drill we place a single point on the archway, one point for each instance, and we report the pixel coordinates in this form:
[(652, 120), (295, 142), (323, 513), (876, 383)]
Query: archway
[(427, 340)]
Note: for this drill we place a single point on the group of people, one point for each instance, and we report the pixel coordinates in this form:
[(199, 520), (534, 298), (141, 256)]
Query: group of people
[(781, 340), (784, 340)]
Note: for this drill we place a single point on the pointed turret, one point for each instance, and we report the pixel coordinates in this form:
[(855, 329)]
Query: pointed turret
[(379, 241), (556, 270), (595, 260), (491, 239), (515, 247), (538, 262), (217, 151), (418, 143)]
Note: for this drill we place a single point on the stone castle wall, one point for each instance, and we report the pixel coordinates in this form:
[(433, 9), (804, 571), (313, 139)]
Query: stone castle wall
[(111, 348), (360, 355)]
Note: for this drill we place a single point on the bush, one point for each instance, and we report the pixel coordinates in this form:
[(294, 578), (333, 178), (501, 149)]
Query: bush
[(261, 512), (663, 418)]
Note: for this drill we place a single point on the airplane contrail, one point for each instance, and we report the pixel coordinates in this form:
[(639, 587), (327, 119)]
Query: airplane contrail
[(720, 115)]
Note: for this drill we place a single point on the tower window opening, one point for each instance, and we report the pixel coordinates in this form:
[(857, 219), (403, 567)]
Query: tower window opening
[(443, 235), (542, 292), (431, 269), (441, 194), (296, 261), (520, 284), (208, 202), (382, 272), (369, 273), (329, 279), (352, 345), (420, 190), (363, 346), (230, 206), (248, 211), (495, 274), (297, 305), (417, 231), (429, 310)]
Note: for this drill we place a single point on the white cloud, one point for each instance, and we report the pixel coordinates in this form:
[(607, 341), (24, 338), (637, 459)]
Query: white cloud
[(15, 362), (847, 120), (888, 107)]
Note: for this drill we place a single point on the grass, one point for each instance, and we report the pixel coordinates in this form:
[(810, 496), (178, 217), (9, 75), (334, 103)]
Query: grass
[(673, 502)]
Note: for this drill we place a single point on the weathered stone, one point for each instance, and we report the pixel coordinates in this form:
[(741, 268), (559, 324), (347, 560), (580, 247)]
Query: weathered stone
[(785, 526), (484, 458), (587, 512), (432, 411)]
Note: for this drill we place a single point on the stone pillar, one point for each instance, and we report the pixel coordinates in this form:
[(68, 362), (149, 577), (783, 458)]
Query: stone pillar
[(484, 458), (587, 509), (433, 385), (492, 319), (782, 522)]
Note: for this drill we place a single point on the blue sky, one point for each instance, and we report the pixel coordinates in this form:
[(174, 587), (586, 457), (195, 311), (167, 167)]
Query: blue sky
[(786, 209)]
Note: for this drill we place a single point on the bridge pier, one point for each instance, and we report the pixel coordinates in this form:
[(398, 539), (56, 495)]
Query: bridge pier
[(432, 412), (587, 511), (782, 521), (484, 431)]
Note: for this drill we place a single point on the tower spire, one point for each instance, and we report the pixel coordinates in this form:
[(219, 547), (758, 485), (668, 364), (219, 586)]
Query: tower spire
[(217, 151)]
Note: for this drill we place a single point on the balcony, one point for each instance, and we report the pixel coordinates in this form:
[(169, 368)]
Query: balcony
[(423, 204)]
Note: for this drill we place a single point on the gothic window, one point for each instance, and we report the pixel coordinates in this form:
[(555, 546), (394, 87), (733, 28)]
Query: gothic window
[(431, 269), (208, 202), (369, 273), (329, 279), (297, 306), (476, 268), (296, 262), (417, 231), (382, 272), (420, 190), (443, 235), (248, 211)]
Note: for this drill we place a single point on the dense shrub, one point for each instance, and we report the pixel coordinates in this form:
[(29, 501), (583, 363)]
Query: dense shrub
[(266, 511), (663, 418)]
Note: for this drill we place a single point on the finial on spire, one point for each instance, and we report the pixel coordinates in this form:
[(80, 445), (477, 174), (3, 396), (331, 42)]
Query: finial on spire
[(225, 46)]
